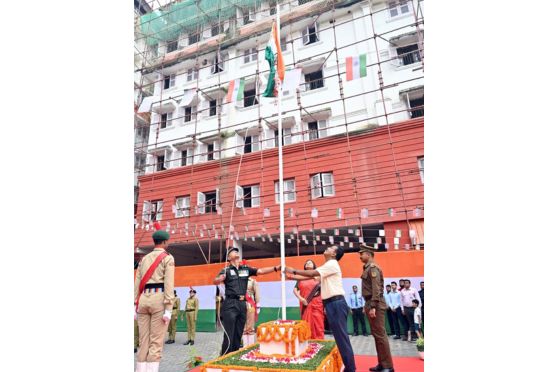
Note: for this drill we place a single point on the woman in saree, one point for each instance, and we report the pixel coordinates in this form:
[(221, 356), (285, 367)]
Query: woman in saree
[(307, 290)]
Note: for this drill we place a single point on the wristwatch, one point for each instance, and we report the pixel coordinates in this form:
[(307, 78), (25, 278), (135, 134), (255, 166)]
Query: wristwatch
[(294, 272)]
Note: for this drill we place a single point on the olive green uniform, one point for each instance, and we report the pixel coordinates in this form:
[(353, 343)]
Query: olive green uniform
[(191, 309), (373, 292), (174, 318)]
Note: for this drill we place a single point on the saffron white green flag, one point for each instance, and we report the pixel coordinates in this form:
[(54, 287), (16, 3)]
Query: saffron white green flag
[(236, 90), (274, 57), (355, 67)]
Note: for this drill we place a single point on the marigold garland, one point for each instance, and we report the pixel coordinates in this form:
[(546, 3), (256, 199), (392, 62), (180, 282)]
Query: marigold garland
[(286, 331)]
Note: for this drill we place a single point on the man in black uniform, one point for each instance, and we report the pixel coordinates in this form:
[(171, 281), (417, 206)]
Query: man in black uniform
[(233, 311)]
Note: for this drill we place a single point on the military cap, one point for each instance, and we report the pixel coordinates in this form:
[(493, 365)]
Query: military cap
[(232, 249), (160, 235), (366, 248)]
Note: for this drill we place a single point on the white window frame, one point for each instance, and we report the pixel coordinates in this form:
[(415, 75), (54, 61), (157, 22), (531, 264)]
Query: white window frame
[(182, 204), (189, 156), (289, 191), (321, 129), (397, 6), (172, 81), (168, 44), (254, 193), (254, 144), (287, 137), (152, 208), (193, 113), (306, 34), (319, 183), (192, 74), (218, 64), (420, 162), (250, 55)]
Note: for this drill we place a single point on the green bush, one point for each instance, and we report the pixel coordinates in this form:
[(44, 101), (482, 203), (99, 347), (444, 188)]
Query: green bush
[(420, 344)]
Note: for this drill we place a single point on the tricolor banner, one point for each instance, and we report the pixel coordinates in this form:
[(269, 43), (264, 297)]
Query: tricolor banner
[(274, 57), (236, 90), (355, 67)]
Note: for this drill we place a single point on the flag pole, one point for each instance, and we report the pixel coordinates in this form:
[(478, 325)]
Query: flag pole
[(281, 186)]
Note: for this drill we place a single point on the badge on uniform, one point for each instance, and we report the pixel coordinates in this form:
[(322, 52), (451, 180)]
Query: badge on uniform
[(233, 273), (243, 273), (374, 274)]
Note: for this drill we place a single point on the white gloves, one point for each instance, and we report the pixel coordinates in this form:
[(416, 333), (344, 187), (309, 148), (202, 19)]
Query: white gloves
[(166, 316)]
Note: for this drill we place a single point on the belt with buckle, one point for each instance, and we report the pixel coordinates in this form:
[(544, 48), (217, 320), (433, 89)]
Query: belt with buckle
[(235, 297), (334, 298), (154, 288)]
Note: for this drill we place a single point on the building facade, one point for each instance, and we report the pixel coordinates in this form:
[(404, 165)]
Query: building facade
[(353, 149)]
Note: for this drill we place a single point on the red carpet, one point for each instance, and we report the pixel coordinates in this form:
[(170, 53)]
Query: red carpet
[(363, 362)]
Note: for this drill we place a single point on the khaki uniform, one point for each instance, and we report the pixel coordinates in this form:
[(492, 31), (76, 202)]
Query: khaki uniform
[(253, 290), (373, 292), (191, 309), (174, 318), (152, 305), (136, 334)]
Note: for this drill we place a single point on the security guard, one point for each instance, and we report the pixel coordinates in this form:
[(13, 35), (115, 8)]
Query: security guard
[(375, 307), (191, 310), (154, 295), (174, 318), (233, 310)]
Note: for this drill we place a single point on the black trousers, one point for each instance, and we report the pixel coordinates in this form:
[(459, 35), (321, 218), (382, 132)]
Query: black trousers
[(410, 317), (233, 316), (358, 317), (393, 322)]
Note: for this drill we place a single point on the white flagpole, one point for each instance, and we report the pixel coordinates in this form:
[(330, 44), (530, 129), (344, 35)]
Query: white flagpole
[(281, 196)]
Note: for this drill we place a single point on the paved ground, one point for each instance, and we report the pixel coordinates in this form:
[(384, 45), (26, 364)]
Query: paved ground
[(208, 345)]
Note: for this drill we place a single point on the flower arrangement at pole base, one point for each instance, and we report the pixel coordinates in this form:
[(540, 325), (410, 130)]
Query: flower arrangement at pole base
[(194, 360)]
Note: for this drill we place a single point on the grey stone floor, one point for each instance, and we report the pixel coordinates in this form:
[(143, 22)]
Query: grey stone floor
[(208, 345)]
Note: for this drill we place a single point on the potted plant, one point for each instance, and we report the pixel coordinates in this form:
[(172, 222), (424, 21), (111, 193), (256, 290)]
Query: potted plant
[(420, 347)]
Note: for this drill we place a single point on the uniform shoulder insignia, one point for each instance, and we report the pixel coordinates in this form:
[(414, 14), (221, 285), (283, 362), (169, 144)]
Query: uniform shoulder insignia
[(374, 274)]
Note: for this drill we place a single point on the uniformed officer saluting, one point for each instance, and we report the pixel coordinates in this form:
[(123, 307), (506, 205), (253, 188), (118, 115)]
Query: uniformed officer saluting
[(375, 307), (233, 310)]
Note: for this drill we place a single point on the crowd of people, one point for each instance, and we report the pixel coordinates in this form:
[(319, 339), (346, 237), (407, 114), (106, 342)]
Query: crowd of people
[(319, 290)]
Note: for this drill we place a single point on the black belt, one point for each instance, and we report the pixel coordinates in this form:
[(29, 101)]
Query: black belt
[(334, 298), (155, 285), (236, 297), (188, 310)]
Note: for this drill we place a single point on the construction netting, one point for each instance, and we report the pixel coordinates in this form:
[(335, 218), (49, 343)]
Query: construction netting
[(167, 24)]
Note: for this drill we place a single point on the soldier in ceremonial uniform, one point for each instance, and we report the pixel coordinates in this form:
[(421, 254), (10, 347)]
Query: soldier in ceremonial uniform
[(375, 307), (191, 310), (154, 296), (174, 318), (252, 311), (233, 311)]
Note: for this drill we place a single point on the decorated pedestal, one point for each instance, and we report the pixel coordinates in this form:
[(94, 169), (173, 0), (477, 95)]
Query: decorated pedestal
[(282, 345)]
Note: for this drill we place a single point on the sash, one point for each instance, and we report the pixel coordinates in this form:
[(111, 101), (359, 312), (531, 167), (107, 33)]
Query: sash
[(311, 296), (252, 302), (148, 275)]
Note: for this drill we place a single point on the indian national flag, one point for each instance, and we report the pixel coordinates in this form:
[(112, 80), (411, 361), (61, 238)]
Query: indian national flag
[(236, 90), (356, 67), (274, 57)]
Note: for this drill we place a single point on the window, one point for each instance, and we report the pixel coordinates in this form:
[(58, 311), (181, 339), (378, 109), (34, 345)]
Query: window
[(251, 144), (408, 54), (314, 80), (248, 196), (161, 163), (250, 98), (208, 201), (153, 210), (210, 151), (287, 139), (421, 168), (398, 8), (283, 43), (272, 7), (322, 185), (169, 81), (192, 74), (249, 15), (190, 113), (218, 64), (166, 120), (417, 107), (186, 157), (317, 129), (216, 29), (289, 191), (250, 55), (213, 107), (310, 34), (194, 37), (172, 46), (182, 205)]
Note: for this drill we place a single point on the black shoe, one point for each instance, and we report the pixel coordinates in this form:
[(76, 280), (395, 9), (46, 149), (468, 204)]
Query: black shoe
[(376, 369), (168, 342), (365, 335), (187, 342), (397, 338), (135, 350), (355, 334), (191, 342)]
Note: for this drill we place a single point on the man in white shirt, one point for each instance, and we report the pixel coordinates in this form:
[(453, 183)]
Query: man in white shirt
[(333, 297)]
